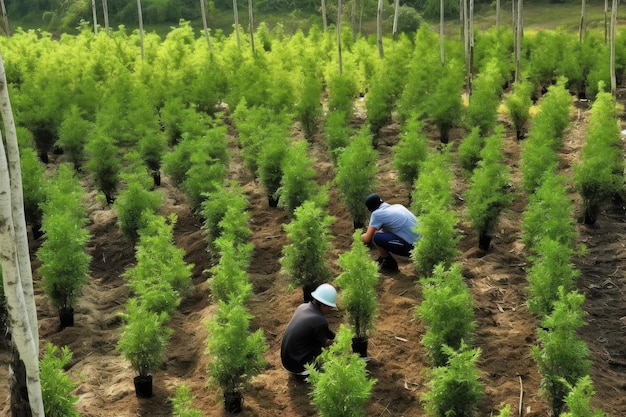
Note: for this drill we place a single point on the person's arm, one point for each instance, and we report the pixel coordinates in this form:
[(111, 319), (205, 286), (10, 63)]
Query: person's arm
[(368, 235)]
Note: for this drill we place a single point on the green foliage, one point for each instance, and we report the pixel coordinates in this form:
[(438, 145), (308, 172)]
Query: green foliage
[(203, 176), (554, 113), (230, 281), (303, 259), (551, 268), (73, 134), (216, 205), (599, 174), (56, 386), (409, 20), (358, 286), (505, 411), (144, 338), (33, 186), (518, 103), (298, 184), (338, 133), (561, 356), (488, 194), (469, 150), (309, 109), (455, 389), (443, 106), (537, 159), (152, 147), (341, 92), (379, 102), (236, 354), (578, 401), (438, 242), (549, 214), (64, 260), (433, 188), (447, 311), (410, 151), (130, 205), (271, 159), (104, 163), (341, 388), (485, 99), (356, 174), (182, 403)]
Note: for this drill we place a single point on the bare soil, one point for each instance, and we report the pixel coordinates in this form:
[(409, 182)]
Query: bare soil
[(506, 331)]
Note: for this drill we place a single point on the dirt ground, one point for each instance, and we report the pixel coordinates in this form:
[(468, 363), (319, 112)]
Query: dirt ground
[(497, 278)]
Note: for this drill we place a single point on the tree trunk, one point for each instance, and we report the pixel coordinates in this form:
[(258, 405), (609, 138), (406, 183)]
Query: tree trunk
[(16, 268), (497, 15), (581, 26), (441, 50), (205, 26), (251, 25), (140, 15), (353, 20), (379, 28), (5, 19), (105, 12), (612, 46), (606, 21), (339, 57), (396, 7), (95, 17), (20, 406), (518, 41), (324, 20), (236, 14)]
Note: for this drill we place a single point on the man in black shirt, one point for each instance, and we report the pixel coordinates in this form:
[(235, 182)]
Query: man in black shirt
[(308, 332)]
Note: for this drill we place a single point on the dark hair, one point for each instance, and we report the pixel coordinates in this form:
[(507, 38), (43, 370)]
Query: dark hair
[(373, 201)]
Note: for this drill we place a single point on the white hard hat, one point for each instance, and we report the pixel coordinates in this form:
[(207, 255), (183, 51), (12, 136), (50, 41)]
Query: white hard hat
[(325, 294)]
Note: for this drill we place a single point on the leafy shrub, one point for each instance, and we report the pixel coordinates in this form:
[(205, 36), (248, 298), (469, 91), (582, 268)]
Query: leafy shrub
[(358, 286), (56, 386), (33, 188), (341, 388), (73, 134), (432, 190), (483, 105), (409, 20), (236, 354), (578, 401), (379, 102), (554, 113), (549, 214), (341, 92), (410, 152), (551, 268), (518, 103), (271, 158), (338, 133), (469, 150), (144, 338), (561, 356), (454, 388), (152, 147), (230, 281), (488, 194), (104, 164), (182, 403), (203, 176), (130, 205), (447, 311), (308, 108), (303, 259), (537, 159), (297, 184), (356, 175), (438, 242), (443, 106)]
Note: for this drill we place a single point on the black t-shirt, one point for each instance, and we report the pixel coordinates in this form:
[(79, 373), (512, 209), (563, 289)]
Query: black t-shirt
[(306, 334)]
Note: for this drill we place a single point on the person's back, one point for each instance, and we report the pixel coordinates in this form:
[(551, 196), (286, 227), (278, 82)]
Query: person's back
[(396, 219)]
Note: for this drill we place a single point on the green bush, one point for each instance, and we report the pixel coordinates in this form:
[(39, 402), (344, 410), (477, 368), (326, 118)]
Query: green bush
[(56, 386), (483, 105), (341, 387), (230, 281), (298, 184), (304, 258), (554, 113), (204, 175), (410, 152), (551, 268), (104, 164), (356, 175), (130, 205), (447, 312), (455, 389), (409, 20), (73, 134), (338, 133), (271, 158), (489, 193), (432, 189), (144, 338), (341, 92), (549, 214), (443, 106), (438, 244), (379, 102), (308, 108), (33, 188), (537, 159), (358, 286), (152, 147), (236, 354), (182, 403), (469, 150), (561, 356), (578, 401), (518, 103)]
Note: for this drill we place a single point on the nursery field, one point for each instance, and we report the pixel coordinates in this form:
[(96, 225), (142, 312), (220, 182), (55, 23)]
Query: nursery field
[(497, 279)]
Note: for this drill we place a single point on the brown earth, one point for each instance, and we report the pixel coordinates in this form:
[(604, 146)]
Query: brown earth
[(497, 278)]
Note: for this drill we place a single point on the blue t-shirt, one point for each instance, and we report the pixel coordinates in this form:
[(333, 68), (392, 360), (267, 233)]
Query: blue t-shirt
[(396, 219)]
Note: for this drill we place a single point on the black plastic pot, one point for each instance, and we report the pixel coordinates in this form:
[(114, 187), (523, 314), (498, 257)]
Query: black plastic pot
[(66, 317), (143, 386), (233, 402), (484, 241), (272, 200), (359, 346)]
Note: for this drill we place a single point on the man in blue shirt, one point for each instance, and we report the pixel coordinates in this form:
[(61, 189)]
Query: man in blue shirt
[(392, 229)]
